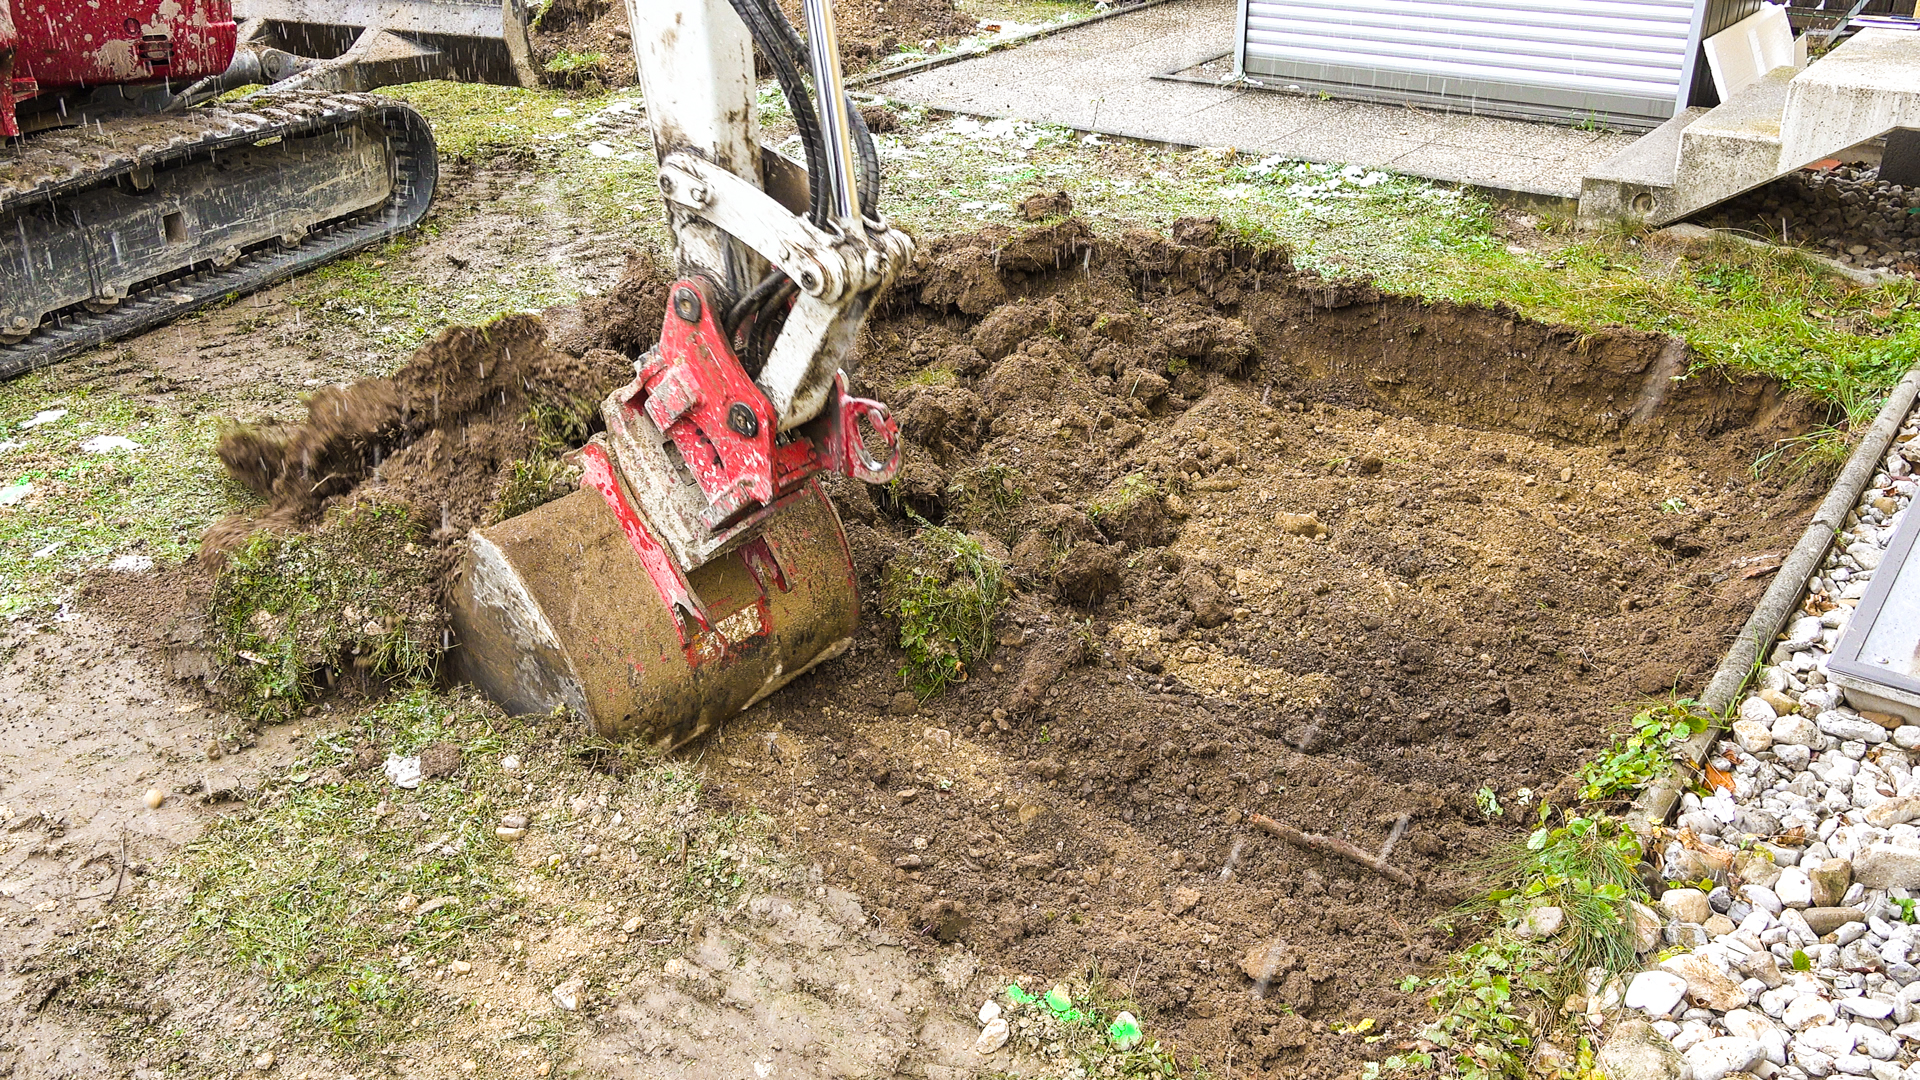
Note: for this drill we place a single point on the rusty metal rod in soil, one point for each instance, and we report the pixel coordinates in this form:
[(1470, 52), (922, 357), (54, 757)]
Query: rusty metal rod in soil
[(1657, 799), (1329, 845)]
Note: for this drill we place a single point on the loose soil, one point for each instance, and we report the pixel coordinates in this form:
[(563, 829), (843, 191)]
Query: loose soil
[(1285, 546), (869, 30), (1281, 546)]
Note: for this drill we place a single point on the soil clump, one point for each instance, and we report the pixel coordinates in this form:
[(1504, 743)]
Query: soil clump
[(1278, 545)]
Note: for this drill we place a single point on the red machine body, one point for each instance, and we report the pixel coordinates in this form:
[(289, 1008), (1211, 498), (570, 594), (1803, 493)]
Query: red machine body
[(53, 45)]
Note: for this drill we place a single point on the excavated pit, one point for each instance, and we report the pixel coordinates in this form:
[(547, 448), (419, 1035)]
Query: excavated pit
[(1279, 545)]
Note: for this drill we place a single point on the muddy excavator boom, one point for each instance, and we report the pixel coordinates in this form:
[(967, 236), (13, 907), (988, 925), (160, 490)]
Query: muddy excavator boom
[(700, 566)]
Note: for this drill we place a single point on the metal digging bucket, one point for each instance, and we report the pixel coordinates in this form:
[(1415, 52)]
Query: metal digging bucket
[(566, 606)]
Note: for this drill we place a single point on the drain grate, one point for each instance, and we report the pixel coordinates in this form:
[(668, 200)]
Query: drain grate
[(1877, 659)]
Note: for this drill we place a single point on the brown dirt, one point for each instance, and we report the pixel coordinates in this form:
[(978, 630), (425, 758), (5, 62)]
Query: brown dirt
[(443, 433), (1389, 552), (869, 30), (1282, 546)]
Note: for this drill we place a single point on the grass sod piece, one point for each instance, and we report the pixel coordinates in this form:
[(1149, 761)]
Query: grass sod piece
[(294, 613), (944, 590)]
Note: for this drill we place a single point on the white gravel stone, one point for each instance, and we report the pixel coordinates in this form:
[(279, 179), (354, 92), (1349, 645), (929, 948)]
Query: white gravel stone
[(1884, 866), (1713, 1059), (1832, 1040), (1754, 736), (1757, 710), (1686, 905), (992, 1037), (1907, 737), (1655, 993), (1794, 888), (1867, 1007), (1795, 731), (1873, 1042), (1807, 1010), (1849, 728)]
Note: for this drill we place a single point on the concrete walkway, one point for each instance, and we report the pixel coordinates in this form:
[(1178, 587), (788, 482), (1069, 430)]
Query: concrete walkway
[(1100, 77)]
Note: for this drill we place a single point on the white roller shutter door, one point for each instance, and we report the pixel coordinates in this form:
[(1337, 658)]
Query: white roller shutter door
[(1616, 61)]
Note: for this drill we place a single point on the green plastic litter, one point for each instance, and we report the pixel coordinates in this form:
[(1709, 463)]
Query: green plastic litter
[(1019, 996), (1124, 1031)]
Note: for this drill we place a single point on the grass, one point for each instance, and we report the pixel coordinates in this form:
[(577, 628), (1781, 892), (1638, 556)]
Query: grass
[(85, 509), (305, 905), (945, 592), (1496, 1000), (292, 614), (556, 429)]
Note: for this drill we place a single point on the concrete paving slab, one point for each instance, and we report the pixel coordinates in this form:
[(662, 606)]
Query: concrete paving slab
[(1102, 77)]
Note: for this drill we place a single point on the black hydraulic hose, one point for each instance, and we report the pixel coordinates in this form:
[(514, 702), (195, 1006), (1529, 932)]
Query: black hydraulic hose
[(798, 55), (765, 22), (765, 331), (737, 314)]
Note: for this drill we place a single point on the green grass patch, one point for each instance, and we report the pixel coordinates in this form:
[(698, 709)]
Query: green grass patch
[(944, 590), (1742, 308), (305, 891), (1498, 998), (1645, 752), (309, 903), (539, 477), (295, 613), (82, 509)]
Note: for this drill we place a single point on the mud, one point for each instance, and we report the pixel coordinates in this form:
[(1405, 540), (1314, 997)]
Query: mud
[(869, 30), (1280, 546), (1283, 546)]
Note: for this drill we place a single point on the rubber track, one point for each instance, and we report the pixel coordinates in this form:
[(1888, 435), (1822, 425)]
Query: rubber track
[(75, 159)]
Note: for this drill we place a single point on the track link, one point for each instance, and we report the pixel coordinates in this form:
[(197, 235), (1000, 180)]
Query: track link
[(59, 167)]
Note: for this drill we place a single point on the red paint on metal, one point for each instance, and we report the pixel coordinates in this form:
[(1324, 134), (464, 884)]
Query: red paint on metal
[(691, 390), (692, 385), (597, 473), (58, 45)]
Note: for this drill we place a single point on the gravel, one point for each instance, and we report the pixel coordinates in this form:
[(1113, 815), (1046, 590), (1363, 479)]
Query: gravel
[(1844, 213), (1802, 962)]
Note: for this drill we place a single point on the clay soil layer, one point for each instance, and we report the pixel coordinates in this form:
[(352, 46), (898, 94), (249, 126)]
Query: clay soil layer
[(1280, 546)]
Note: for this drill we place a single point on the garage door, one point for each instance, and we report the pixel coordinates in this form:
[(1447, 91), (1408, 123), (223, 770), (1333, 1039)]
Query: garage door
[(1619, 62)]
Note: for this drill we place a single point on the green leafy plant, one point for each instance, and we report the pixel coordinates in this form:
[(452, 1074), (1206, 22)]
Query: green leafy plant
[(1492, 995), (1644, 752), (1488, 802), (945, 592), (1906, 910)]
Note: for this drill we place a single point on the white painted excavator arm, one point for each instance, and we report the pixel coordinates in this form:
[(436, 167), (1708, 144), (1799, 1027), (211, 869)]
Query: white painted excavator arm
[(696, 70)]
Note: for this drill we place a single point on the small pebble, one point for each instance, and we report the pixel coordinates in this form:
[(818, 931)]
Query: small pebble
[(155, 797)]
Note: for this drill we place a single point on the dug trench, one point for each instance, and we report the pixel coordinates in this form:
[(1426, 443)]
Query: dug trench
[(1379, 569)]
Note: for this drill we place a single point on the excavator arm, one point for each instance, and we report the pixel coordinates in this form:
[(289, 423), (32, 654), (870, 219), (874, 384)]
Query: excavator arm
[(701, 567)]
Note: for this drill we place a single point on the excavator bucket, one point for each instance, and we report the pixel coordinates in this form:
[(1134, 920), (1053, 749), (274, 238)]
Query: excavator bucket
[(559, 607)]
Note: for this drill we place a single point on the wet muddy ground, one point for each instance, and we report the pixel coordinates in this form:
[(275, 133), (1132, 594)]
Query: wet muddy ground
[(1378, 569)]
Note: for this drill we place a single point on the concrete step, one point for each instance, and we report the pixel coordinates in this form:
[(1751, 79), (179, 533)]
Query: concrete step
[(1783, 121)]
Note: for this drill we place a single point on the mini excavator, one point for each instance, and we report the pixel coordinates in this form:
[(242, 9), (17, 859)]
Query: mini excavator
[(700, 566)]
